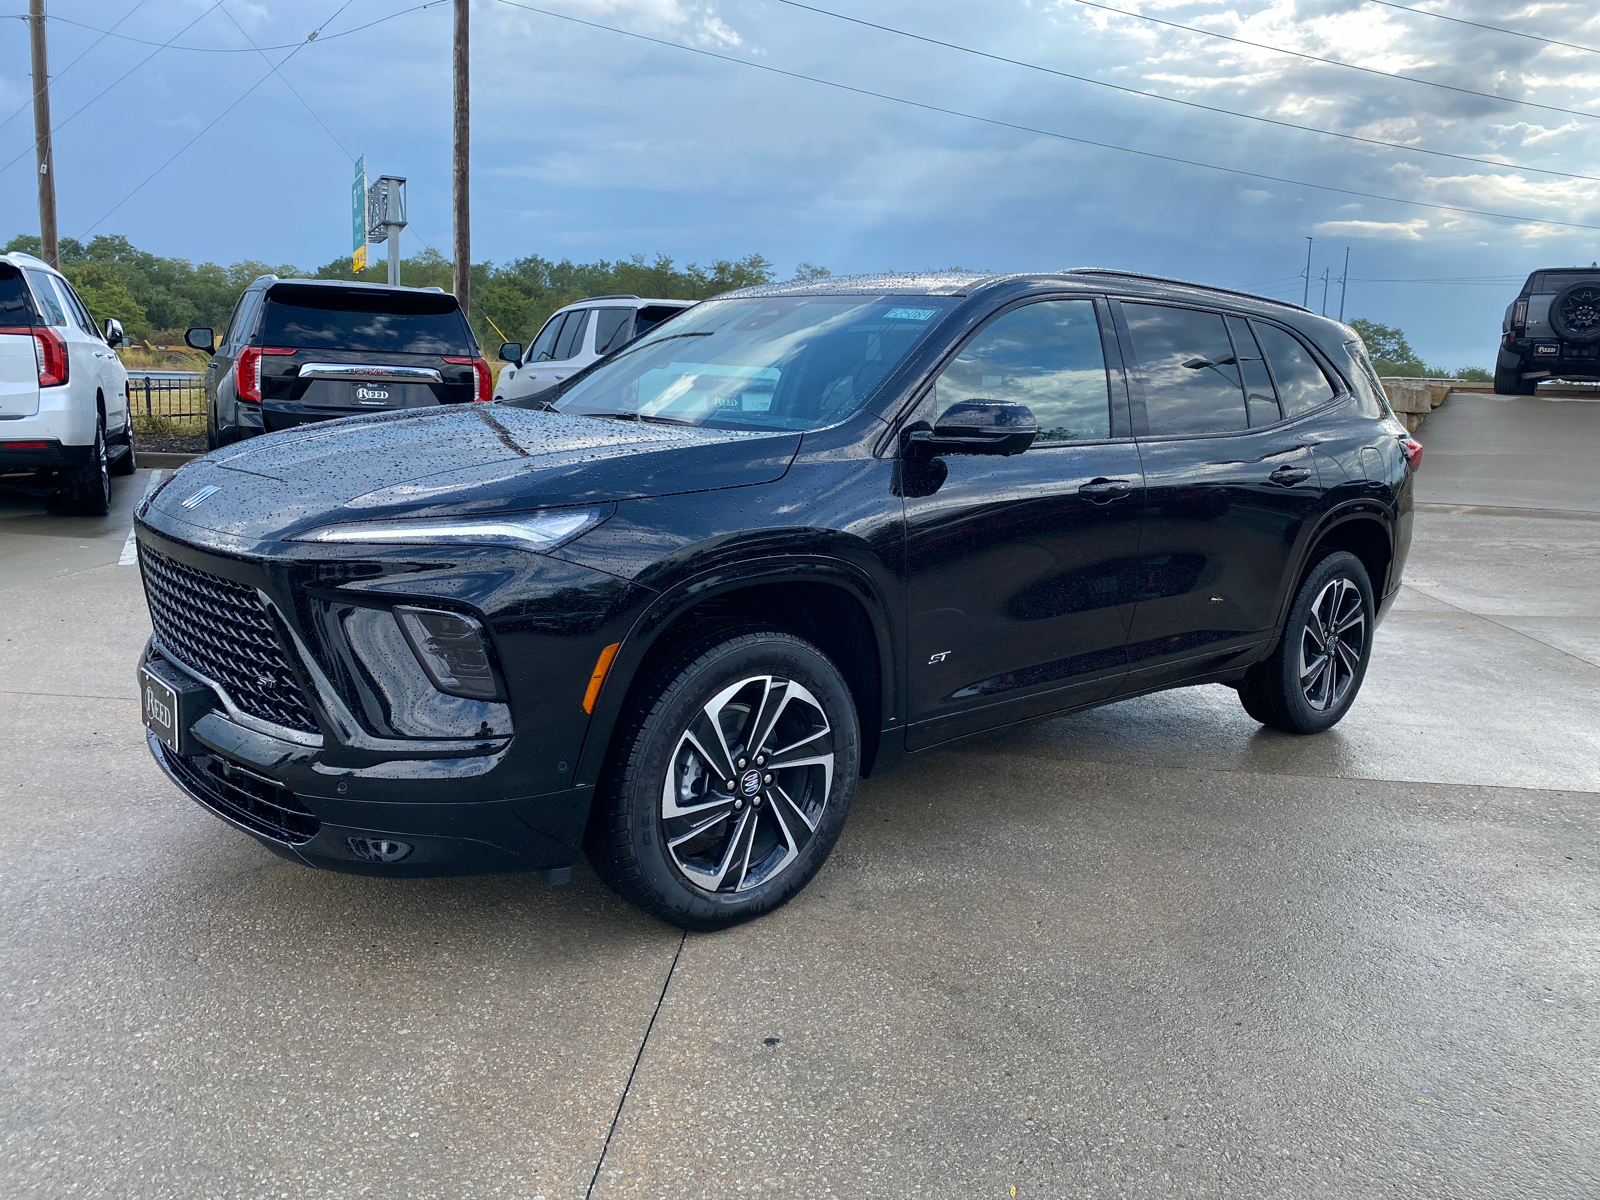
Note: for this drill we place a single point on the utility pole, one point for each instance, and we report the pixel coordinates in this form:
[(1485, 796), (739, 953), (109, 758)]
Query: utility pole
[(1344, 281), (1305, 301), (463, 230), (50, 247), (1326, 271)]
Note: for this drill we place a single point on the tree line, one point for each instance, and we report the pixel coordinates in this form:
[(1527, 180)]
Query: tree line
[(157, 298)]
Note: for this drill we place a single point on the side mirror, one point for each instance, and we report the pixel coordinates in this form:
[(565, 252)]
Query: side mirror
[(201, 339), (511, 352), (977, 427), (113, 332)]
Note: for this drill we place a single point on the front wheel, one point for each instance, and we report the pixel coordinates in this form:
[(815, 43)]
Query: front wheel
[(732, 778), (1313, 676)]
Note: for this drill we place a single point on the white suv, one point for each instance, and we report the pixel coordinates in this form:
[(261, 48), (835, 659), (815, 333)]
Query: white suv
[(65, 428), (576, 336)]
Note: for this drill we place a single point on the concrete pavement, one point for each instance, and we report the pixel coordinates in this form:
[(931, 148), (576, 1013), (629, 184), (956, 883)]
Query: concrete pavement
[(1150, 950)]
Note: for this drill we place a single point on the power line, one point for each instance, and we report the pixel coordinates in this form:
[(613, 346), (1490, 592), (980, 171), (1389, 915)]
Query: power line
[(113, 84), (38, 91), (1334, 62), (289, 85), (1227, 112), (213, 123), (952, 112), (1532, 37), (316, 34)]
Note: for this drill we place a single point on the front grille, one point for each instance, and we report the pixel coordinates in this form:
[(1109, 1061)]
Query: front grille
[(220, 629), (260, 804)]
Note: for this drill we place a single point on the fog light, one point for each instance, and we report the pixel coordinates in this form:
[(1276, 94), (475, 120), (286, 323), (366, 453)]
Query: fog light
[(378, 850), (452, 650)]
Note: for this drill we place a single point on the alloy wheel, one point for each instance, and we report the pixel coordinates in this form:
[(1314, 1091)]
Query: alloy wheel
[(1332, 644), (1580, 312), (747, 784)]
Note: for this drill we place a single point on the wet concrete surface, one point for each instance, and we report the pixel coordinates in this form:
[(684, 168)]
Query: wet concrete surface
[(1151, 950)]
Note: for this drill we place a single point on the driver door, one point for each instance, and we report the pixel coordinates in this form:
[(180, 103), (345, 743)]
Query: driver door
[(1019, 567)]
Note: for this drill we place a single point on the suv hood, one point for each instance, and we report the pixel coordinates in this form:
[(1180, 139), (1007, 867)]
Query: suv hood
[(468, 458)]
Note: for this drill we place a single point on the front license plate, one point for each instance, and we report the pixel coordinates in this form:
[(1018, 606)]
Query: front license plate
[(160, 706)]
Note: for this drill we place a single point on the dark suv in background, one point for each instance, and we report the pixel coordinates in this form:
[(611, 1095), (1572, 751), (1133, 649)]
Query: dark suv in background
[(1550, 331), (669, 612), (302, 350)]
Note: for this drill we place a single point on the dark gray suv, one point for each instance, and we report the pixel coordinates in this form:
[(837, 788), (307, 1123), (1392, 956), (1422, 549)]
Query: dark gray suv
[(302, 350), (1550, 331)]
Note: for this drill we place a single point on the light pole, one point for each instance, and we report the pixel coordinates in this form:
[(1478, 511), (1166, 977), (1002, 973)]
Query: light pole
[(463, 231)]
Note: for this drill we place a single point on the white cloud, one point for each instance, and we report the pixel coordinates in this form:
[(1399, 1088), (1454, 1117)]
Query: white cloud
[(1387, 231), (1255, 196)]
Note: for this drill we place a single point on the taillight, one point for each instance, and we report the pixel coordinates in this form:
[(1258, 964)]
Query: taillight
[(484, 388), (1413, 450), (49, 352), (247, 371), (1519, 314)]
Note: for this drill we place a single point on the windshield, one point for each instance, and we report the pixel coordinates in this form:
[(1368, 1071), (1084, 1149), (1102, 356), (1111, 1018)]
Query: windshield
[(794, 362)]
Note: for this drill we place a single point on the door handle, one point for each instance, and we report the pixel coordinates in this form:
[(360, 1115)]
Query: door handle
[(1103, 491), (1289, 476)]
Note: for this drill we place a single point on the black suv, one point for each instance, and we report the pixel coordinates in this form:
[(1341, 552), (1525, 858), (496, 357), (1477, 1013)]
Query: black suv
[(303, 350), (1550, 331), (670, 612)]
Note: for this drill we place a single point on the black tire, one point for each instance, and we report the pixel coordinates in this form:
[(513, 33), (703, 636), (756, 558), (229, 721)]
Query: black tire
[(213, 441), (128, 463), (86, 491), (1295, 690), (762, 834), (1575, 313), (1507, 380)]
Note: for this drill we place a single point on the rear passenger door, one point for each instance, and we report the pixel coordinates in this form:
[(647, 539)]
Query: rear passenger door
[(1231, 488)]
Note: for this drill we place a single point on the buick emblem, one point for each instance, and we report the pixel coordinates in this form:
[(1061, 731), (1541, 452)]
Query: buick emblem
[(200, 497), (750, 783)]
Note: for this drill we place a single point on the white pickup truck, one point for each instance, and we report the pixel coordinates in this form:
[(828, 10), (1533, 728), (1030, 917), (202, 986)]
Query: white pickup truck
[(65, 428), (576, 336)]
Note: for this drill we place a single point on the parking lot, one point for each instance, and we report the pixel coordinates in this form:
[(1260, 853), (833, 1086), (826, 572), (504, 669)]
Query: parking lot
[(1144, 951)]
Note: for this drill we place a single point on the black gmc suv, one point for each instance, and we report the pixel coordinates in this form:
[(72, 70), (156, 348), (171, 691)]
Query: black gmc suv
[(302, 350), (670, 612), (1550, 331)]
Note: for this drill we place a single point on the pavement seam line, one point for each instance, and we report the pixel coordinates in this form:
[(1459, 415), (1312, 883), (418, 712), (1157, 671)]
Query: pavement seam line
[(71, 696), (1427, 783), (637, 1059), (1520, 633)]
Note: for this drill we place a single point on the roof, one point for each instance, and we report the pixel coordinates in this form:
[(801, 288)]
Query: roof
[(964, 283), (360, 284)]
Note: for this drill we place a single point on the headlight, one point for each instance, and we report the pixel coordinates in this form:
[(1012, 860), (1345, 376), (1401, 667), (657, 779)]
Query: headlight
[(526, 531), (452, 650)]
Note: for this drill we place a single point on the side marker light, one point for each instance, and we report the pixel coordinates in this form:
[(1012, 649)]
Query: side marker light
[(601, 666)]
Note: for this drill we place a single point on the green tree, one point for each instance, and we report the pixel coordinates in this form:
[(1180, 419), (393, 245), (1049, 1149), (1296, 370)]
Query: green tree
[(106, 294), (1391, 353)]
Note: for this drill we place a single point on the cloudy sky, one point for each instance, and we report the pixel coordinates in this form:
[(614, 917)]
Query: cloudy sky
[(689, 140)]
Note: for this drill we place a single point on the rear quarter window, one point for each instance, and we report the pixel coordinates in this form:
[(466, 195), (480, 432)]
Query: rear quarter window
[(1301, 384), (415, 323), (46, 300)]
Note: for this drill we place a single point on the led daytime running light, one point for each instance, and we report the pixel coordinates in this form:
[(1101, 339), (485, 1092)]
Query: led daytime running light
[(529, 531)]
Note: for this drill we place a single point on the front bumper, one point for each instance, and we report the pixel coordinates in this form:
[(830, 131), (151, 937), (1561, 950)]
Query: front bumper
[(283, 796)]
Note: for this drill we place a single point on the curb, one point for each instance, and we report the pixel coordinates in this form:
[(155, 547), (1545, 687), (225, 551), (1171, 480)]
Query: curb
[(155, 458)]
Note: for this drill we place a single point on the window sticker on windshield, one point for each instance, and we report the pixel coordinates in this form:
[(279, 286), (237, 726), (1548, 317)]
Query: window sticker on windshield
[(910, 314)]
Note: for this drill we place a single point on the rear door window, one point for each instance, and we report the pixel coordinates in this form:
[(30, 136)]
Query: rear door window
[(613, 327), (651, 315), (1047, 355), (1301, 384), (570, 343), (1260, 400), (396, 322), (1190, 373)]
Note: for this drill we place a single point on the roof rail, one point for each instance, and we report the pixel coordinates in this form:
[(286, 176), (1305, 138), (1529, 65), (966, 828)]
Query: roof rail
[(619, 296), (1185, 282)]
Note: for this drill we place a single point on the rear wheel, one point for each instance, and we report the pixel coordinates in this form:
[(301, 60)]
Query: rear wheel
[(1313, 676), (1508, 381), (732, 779), (86, 490)]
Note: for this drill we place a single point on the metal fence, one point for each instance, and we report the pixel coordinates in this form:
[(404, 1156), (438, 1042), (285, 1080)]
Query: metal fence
[(167, 395)]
